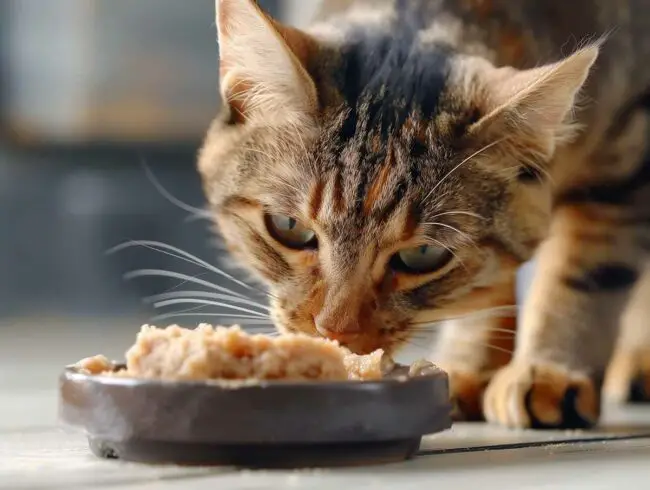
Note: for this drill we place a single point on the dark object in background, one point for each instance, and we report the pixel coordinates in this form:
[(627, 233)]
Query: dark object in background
[(273, 424)]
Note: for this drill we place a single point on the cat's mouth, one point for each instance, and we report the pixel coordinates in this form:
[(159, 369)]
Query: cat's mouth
[(360, 339), (363, 343), (360, 343), (363, 346)]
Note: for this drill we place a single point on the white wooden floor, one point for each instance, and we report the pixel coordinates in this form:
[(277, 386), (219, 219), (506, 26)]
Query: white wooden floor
[(36, 454)]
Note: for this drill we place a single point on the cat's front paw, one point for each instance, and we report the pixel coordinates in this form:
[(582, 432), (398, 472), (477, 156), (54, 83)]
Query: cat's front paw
[(466, 390), (541, 396)]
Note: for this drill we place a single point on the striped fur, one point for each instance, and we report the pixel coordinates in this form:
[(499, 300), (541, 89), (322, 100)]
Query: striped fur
[(472, 126)]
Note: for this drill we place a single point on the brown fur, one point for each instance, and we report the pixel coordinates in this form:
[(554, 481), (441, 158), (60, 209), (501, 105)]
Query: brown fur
[(468, 126)]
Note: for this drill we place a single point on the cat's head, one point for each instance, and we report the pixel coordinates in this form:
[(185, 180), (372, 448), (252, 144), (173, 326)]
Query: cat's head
[(375, 181)]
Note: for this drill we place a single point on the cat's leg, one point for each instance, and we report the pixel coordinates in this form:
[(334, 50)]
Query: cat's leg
[(587, 268), (628, 375), (471, 350)]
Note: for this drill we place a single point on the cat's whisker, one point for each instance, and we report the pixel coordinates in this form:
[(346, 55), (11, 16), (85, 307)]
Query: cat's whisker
[(464, 235), (489, 346), (450, 227), (205, 302), (222, 288), (451, 213), (155, 248), (238, 319), (466, 160), (427, 329), (194, 211), (202, 305), (186, 256), (205, 295), (505, 311), (195, 217), (250, 287), (177, 275), (426, 326), (202, 308), (410, 342), (175, 287), (474, 342)]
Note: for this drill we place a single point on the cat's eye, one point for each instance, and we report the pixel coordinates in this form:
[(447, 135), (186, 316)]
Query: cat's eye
[(420, 260), (290, 232)]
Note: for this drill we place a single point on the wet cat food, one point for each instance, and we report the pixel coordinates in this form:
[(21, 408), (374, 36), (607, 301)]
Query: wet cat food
[(220, 353)]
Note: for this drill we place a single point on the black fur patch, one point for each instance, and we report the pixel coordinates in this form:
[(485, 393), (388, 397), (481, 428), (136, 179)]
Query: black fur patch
[(620, 192), (622, 120), (419, 149), (397, 198), (388, 75), (604, 278), (616, 193)]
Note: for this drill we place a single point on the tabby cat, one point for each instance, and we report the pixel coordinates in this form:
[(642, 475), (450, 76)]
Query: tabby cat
[(394, 165)]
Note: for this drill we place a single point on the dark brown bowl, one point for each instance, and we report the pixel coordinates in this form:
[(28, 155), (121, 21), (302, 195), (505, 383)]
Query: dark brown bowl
[(272, 424)]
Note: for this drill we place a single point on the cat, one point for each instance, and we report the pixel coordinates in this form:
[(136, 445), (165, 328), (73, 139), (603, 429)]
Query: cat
[(393, 165)]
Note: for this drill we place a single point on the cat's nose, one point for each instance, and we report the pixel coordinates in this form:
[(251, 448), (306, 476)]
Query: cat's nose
[(341, 337), (342, 331)]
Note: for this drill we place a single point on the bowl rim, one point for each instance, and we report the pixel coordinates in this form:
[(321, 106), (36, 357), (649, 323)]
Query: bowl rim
[(76, 373)]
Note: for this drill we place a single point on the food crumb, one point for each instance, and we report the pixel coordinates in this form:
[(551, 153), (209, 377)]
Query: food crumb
[(368, 367), (94, 365)]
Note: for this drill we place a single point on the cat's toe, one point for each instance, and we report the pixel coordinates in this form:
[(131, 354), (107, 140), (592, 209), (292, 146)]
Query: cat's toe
[(467, 389), (640, 387), (541, 396), (628, 377)]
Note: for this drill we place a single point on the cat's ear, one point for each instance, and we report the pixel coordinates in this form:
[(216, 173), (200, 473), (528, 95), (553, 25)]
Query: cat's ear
[(262, 64), (537, 100)]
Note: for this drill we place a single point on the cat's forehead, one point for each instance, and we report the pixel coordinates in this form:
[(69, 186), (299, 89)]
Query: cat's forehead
[(395, 116), (372, 183)]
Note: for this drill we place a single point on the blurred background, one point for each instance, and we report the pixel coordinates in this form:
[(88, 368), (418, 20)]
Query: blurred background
[(103, 105), (93, 93)]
